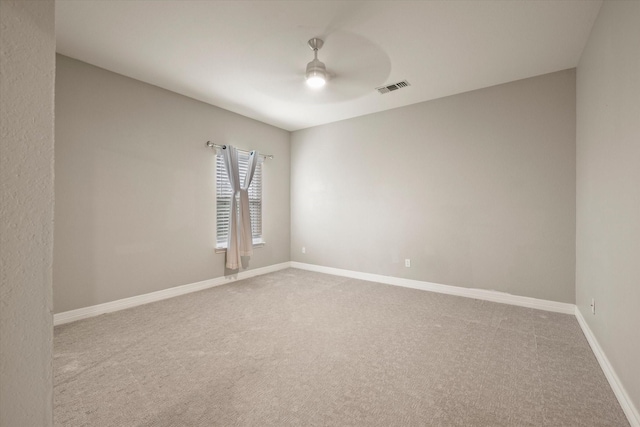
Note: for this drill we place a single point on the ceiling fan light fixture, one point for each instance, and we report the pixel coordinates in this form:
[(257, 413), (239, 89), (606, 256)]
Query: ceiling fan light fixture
[(316, 74)]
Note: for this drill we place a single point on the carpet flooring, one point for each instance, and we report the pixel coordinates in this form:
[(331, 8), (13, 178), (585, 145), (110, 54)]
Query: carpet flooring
[(297, 348)]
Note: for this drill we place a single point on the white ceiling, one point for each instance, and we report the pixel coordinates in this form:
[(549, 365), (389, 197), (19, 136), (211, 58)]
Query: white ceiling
[(250, 56)]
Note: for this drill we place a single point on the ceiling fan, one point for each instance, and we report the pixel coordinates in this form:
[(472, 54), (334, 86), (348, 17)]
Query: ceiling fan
[(278, 66)]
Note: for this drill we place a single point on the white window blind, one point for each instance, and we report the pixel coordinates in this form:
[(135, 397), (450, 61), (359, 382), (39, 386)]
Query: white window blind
[(223, 200)]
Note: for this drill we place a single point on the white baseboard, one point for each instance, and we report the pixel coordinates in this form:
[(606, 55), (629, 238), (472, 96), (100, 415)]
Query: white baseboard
[(483, 294), (618, 389), (121, 304)]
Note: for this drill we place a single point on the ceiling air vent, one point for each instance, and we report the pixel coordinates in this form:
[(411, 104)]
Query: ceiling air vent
[(392, 87)]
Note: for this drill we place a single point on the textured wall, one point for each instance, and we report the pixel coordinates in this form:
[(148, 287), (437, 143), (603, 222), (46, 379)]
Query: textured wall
[(135, 188), (27, 65), (608, 187), (477, 189)]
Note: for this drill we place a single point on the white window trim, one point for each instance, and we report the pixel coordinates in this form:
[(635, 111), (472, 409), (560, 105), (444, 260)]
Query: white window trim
[(256, 245)]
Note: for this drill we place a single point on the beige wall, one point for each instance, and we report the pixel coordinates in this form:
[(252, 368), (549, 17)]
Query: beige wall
[(608, 188), (477, 189), (27, 67), (135, 206)]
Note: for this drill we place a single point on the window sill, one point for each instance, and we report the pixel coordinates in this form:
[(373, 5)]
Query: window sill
[(256, 245)]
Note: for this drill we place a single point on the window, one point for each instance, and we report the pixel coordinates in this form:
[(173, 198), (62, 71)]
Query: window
[(223, 200)]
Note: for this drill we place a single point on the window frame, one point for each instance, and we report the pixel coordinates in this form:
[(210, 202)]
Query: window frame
[(222, 187)]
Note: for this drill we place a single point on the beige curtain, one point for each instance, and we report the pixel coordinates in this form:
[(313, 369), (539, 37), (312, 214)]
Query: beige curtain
[(239, 240)]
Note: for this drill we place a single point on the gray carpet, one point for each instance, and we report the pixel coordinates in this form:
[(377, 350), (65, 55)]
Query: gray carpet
[(296, 348)]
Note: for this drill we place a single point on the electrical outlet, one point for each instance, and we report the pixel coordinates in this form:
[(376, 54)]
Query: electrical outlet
[(304, 250), (593, 306), (407, 262)]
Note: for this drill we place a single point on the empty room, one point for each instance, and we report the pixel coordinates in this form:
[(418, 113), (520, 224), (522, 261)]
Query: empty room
[(320, 213)]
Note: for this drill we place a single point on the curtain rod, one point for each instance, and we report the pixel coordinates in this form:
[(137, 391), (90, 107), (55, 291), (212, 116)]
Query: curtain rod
[(212, 145)]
